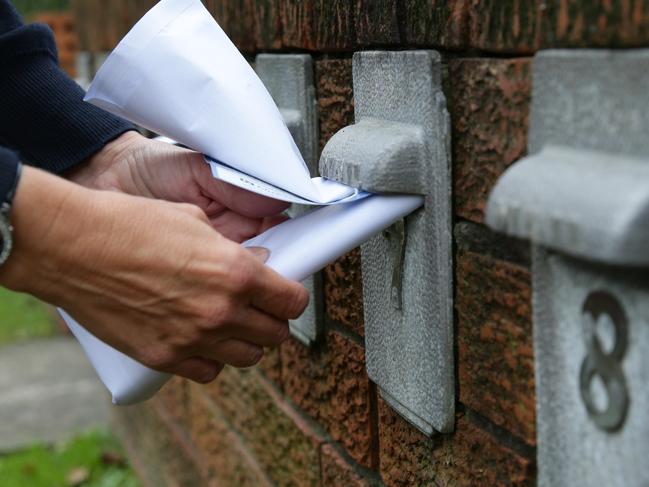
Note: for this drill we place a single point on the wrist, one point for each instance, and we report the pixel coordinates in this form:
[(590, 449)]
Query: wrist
[(101, 170), (45, 226)]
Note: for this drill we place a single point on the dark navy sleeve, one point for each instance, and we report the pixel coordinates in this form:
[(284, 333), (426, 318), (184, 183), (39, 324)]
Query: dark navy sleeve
[(42, 112), (8, 172)]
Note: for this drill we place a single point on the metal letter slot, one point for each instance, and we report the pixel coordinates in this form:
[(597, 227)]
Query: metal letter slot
[(582, 198), (289, 79), (400, 144)]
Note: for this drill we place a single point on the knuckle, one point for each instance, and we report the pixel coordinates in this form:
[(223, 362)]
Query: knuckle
[(193, 210), (222, 314)]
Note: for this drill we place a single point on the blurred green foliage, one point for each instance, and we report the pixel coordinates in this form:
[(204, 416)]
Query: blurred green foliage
[(29, 7), (92, 459), (23, 317)]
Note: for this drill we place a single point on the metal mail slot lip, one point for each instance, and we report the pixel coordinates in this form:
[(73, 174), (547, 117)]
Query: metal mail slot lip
[(377, 156), (587, 204)]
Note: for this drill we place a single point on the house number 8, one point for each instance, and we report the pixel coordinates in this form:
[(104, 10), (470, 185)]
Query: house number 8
[(606, 365)]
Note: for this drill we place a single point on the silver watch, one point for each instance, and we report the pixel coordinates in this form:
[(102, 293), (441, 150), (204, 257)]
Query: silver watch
[(6, 230), (6, 241)]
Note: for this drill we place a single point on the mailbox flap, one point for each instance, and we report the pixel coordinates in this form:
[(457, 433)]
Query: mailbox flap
[(592, 205)]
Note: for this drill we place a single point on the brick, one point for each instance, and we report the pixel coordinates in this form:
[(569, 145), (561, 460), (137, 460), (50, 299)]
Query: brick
[(102, 24), (237, 19), (286, 447), (337, 472), (471, 457), (524, 26), (343, 288), (595, 23), (495, 350), (65, 36), (489, 105), (510, 26), (330, 384), (468, 457), (333, 79), (271, 366), (434, 23), (268, 24), (160, 456), (173, 397), (405, 453), (376, 22), (227, 460), (325, 25)]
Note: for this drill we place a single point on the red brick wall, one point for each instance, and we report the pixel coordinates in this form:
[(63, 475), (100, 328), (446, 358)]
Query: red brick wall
[(311, 416)]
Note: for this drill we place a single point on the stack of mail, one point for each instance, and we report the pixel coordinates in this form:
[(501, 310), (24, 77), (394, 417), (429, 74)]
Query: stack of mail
[(177, 74)]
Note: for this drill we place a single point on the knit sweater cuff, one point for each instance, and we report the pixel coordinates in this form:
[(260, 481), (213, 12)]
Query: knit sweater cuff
[(42, 112)]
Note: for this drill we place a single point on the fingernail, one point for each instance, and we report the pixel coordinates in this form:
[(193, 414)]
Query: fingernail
[(262, 253)]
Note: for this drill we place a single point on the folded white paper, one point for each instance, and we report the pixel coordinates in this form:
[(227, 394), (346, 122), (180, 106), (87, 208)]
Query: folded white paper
[(178, 74), (297, 247)]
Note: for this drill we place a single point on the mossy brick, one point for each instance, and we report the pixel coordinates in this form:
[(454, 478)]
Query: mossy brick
[(159, 453), (495, 349), (489, 105), (286, 446), (338, 472), (468, 457), (227, 460), (330, 384)]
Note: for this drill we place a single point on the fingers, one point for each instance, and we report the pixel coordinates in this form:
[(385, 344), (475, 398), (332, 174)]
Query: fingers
[(198, 369), (277, 296), (236, 227), (237, 353), (259, 328), (240, 200)]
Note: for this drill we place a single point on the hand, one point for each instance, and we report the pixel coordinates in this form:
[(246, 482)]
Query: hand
[(151, 278), (139, 166)]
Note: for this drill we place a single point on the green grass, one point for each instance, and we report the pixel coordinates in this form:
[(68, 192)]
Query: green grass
[(94, 458), (23, 317), (28, 7)]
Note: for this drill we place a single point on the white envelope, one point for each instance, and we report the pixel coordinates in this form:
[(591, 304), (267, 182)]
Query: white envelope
[(177, 74)]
